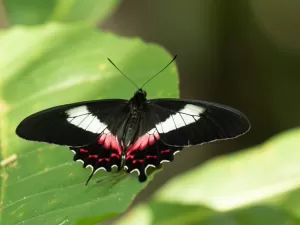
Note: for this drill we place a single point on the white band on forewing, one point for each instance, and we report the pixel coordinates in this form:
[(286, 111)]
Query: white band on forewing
[(189, 114), (81, 117)]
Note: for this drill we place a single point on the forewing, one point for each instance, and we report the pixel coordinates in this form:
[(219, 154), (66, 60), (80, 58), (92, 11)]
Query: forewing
[(77, 124), (185, 123)]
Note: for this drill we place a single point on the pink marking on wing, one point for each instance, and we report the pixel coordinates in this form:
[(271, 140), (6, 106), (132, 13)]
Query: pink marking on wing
[(156, 135), (93, 156), (165, 151), (140, 144), (101, 139), (114, 155), (151, 156), (144, 141), (138, 160), (129, 157), (103, 159), (134, 147), (83, 150), (151, 139), (116, 145), (107, 141)]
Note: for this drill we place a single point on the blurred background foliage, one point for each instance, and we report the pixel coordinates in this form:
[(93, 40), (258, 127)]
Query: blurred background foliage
[(245, 54), (241, 53)]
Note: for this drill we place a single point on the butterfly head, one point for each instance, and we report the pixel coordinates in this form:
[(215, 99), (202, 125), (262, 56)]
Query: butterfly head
[(139, 97), (141, 93)]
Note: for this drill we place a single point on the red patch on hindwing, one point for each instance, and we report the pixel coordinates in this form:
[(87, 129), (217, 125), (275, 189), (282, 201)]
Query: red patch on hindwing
[(143, 142), (83, 150), (110, 141), (148, 151), (102, 154), (165, 151)]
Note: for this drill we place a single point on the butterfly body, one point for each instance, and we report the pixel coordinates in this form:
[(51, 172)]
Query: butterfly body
[(137, 104)]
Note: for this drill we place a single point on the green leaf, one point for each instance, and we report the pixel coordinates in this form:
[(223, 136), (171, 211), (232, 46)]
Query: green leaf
[(59, 64), (88, 11), (173, 214), (259, 174), (31, 12), (161, 213), (260, 185)]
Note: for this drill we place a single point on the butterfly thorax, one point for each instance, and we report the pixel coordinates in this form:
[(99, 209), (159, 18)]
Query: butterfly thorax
[(131, 128)]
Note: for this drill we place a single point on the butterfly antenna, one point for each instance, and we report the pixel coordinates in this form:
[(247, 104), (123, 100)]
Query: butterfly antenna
[(160, 71), (122, 73)]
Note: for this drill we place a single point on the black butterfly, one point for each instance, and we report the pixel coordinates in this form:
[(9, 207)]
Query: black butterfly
[(132, 134)]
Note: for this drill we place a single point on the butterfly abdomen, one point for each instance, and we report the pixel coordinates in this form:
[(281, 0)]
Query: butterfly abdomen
[(131, 129), (136, 105)]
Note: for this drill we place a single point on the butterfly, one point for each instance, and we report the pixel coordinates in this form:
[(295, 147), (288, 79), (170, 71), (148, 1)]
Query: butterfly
[(132, 135)]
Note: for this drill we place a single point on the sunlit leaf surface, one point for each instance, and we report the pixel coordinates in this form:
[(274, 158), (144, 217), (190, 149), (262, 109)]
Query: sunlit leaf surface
[(251, 176), (52, 65), (260, 185)]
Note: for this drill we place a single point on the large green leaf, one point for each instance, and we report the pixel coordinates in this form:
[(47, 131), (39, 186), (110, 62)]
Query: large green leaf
[(32, 12), (161, 213), (251, 176), (260, 185), (51, 65)]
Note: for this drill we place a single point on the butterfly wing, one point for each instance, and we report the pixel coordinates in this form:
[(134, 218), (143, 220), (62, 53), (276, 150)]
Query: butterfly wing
[(148, 150), (103, 154), (188, 122), (106, 152), (168, 125), (74, 125)]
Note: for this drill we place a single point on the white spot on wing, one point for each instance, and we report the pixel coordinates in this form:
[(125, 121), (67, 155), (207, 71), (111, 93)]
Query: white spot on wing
[(176, 152), (125, 167), (80, 160), (73, 151), (100, 168), (136, 170), (193, 110), (90, 166), (81, 117), (78, 111), (152, 131), (163, 161), (114, 166), (106, 131), (149, 165)]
